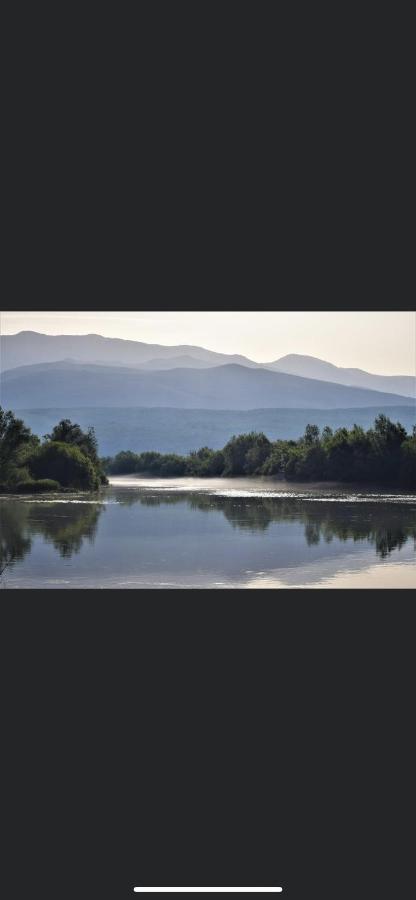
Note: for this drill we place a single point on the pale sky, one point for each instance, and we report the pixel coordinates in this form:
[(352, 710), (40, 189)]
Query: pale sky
[(379, 342)]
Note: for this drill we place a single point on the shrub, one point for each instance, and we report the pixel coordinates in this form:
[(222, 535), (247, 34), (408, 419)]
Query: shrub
[(173, 465), (122, 464), (245, 454), (209, 464), (275, 463), (65, 464), (67, 432), (17, 475), (408, 463), (14, 438), (37, 487)]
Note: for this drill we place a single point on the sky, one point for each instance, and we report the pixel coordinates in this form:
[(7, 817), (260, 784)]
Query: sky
[(379, 342)]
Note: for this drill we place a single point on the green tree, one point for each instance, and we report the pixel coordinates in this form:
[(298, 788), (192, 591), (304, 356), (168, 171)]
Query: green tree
[(15, 438), (68, 432), (327, 433), (123, 463), (66, 464), (245, 454), (279, 458), (408, 462), (311, 435), (386, 441)]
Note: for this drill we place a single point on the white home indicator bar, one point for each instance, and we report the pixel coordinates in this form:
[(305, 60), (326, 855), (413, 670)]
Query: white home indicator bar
[(208, 890)]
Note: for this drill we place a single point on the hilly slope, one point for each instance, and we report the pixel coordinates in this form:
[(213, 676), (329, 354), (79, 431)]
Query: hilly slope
[(33, 348), (222, 387), (177, 362), (311, 367), (30, 347)]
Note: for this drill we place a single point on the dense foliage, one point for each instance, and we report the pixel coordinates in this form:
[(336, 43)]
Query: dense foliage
[(66, 464), (16, 444), (69, 433), (385, 454), (68, 458)]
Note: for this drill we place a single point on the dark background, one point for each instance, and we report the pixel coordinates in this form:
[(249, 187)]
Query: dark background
[(253, 738)]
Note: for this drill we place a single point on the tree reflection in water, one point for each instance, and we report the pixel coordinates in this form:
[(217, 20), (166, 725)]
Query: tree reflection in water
[(387, 525), (15, 543), (67, 525)]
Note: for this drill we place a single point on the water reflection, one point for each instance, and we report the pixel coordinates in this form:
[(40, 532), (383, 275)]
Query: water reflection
[(386, 525), (15, 543), (65, 525), (130, 532)]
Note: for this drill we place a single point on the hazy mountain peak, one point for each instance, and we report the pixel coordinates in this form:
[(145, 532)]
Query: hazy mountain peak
[(34, 348), (312, 367), (27, 347)]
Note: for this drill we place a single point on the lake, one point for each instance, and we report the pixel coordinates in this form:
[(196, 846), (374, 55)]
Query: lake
[(209, 533)]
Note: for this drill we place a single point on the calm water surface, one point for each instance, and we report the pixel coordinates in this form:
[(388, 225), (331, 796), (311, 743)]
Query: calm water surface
[(191, 533)]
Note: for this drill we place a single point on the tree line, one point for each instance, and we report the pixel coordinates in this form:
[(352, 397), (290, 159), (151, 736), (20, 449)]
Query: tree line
[(384, 454), (66, 459)]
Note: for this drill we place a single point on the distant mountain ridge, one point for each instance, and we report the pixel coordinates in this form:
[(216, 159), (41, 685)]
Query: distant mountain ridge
[(230, 386), (311, 367), (33, 348)]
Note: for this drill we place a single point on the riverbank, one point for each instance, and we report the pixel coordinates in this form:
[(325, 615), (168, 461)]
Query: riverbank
[(265, 485), (44, 486)]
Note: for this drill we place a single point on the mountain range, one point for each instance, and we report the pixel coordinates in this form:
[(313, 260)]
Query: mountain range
[(32, 348), (230, 386)]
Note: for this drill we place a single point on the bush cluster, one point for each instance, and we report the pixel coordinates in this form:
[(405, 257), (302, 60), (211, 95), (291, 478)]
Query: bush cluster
[(66, 464), (66, 460), (384, 454)]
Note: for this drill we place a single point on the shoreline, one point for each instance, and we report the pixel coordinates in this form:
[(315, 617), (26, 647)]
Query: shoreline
[(249, 484)]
